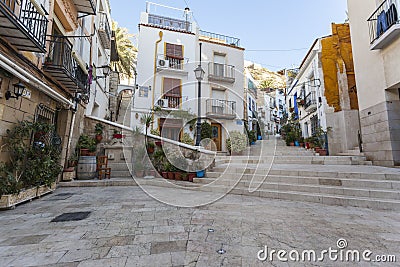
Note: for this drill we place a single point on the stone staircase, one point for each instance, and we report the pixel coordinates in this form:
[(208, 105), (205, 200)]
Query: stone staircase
[(271, 169)]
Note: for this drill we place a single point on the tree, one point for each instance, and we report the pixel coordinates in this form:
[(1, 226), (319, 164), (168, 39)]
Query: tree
[(126, 50)]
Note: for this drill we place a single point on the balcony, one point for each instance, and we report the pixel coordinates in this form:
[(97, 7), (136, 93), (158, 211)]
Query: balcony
[(169, 23), (310, 102), (105, 31), (221, 72), (219, 38), (23, 25), (86, 6), (171, 65), (62, 66), (384, 24), (170, 102), (221, 109)]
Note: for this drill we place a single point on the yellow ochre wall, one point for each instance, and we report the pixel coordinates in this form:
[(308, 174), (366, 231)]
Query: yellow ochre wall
[(336, 50)]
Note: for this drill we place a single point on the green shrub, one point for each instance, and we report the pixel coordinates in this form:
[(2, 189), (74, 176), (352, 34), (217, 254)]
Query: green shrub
[(237, 141), (31, 163), (186, 139)]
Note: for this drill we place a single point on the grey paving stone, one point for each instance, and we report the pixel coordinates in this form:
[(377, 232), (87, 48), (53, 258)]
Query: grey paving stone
[(114, 262), (170, 246)]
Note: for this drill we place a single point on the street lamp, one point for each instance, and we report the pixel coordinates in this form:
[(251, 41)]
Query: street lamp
[(106, 72), (199, 72)]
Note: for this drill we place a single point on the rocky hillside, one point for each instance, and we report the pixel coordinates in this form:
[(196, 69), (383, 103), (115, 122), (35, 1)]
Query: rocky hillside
[(265, 77)]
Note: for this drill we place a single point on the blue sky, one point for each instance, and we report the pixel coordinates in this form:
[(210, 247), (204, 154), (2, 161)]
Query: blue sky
[(260, 24)]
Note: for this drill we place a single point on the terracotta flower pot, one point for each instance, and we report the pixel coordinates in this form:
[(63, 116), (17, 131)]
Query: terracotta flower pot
[(139, 174), (164, 175), (150, 150), (191, 176), (158, 143), (99, 137), (171, 176), (178, 176), (84, 152)]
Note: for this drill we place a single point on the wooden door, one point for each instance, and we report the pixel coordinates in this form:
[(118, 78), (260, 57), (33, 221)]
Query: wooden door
[(216, 135)]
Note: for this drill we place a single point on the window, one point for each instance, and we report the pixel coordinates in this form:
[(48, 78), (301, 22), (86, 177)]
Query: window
[(171, 128), (174, 54), (174, 51), (172, 92)]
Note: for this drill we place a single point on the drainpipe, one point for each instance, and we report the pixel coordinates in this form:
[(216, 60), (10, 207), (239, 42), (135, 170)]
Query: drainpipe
[(160, 34)]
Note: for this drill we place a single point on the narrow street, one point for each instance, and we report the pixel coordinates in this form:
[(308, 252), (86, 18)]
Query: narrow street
[(126, 227)]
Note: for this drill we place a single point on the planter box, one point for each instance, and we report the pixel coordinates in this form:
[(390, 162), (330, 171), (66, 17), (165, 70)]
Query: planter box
[(9, 201), (44, 189)]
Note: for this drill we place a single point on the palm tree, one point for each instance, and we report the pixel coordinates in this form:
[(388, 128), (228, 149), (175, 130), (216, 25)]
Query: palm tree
[(126, 51)]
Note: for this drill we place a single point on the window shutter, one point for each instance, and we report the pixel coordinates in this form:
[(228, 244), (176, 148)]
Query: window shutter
[(172, 87), (174, 51)]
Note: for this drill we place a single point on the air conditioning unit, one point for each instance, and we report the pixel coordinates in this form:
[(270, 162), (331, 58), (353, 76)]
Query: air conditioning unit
[(163, 103), (162, 63)]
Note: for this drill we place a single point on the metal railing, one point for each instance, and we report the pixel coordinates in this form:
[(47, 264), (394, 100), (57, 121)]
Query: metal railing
[(384, 17), (170, 23), (219, 38), (218, 70), (60, 57), (173, 101), (221, 107), (28, 17), (173, 63), (310, 100)]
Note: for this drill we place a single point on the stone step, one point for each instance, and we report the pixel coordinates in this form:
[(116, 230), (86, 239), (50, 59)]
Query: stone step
[(120, 174), (238, 172), (294, 160), (345, 182), (118, 166), (99, 183), (322, 198), (311, 188)]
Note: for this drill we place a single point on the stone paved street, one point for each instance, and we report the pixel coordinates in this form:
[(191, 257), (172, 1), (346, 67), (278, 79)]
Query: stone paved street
[(128, 228)]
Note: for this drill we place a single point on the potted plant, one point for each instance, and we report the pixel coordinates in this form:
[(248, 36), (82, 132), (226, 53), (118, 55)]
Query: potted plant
[(185, 176), (86, 145), (169, 169), (139, 168), (117, 134), (191, 176), (73, 160), (146, 120), (150, 147), (252, 137), (98, 128), (32, 169)]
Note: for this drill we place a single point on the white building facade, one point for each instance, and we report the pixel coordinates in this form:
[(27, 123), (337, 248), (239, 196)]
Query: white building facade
[(169, 52), (375, 36)]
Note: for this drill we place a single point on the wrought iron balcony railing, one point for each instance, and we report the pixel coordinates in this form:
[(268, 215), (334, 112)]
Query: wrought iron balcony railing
[(221, 72), (105, 31), (217, 108), (23, 24), (165, 62), (169, 23), (86, 6), (384, 18), (219, 38), (310, 101), (63, 66)]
